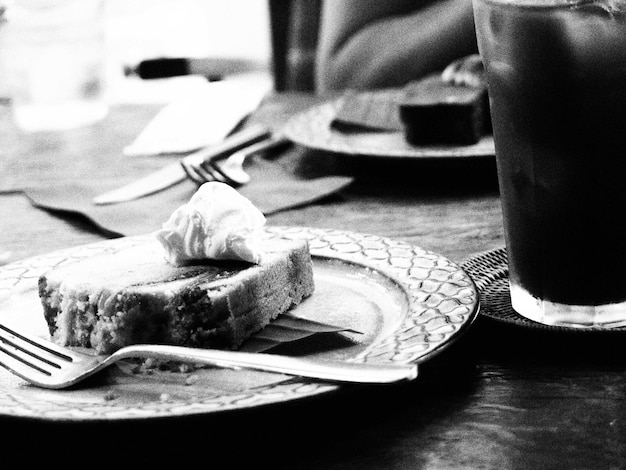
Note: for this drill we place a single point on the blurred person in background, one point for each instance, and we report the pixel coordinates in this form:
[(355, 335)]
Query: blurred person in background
[(366, 44)]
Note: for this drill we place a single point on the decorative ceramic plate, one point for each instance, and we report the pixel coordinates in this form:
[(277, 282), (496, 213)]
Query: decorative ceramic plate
[(405, 303), (490, 271), (313, 129)]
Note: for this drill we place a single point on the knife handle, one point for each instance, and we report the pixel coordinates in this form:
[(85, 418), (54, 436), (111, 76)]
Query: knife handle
[(236, 141)]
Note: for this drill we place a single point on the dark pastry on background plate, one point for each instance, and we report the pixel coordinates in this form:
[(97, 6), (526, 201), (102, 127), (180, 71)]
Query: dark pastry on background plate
[(447, 108), (435, 111)]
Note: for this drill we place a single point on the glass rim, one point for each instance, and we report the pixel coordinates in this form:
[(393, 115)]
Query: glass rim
[(545, 3)]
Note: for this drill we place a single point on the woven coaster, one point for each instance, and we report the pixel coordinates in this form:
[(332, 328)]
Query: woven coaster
[(490, 272)]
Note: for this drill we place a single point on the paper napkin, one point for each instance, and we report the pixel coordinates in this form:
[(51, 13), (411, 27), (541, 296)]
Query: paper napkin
[(193, 122)]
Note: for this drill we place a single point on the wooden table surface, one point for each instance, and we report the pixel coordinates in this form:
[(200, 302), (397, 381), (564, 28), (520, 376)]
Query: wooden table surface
[(501, 397)]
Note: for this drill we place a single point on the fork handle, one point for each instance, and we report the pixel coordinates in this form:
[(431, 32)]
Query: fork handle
[(335, 371), (234, 142), (269, 143)]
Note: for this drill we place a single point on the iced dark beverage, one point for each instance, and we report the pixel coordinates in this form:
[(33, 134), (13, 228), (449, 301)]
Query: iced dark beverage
[(556, 71)]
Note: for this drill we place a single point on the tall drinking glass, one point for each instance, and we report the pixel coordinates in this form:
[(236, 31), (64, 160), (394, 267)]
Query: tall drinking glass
[(556, 72), (52, 56)]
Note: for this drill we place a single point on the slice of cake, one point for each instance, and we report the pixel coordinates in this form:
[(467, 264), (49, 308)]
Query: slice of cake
[(447, 108), (469, 71), (144, 293), (435, 111), (135, 296)]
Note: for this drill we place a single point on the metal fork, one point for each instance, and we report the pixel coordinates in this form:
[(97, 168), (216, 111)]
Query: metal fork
[(231, 170), (48, 365)]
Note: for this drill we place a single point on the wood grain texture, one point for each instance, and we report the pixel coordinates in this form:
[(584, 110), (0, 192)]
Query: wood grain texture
[(502, 397)]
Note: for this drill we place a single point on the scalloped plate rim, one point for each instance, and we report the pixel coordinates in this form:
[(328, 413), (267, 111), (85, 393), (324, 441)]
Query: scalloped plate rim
[(292, 389)]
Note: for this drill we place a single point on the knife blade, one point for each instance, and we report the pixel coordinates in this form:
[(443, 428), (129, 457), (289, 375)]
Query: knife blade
[(174, 173)]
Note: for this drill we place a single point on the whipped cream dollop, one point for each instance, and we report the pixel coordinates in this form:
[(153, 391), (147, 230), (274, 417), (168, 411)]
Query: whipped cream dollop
[(217, 223)]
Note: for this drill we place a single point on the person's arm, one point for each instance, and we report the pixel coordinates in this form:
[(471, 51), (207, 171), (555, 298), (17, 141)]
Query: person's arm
[(375, 44)]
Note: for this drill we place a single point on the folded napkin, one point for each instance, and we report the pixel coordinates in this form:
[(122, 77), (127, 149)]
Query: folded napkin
[(276, 185), (291, 179), (200, 120)]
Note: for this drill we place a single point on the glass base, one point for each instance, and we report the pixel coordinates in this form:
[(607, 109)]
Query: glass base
[(576, 316)]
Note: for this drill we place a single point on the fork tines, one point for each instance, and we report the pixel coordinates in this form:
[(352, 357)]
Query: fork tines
[(200, 174), (26, 354)]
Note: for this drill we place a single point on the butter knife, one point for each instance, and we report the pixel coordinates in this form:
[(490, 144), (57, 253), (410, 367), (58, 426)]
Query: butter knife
[(174, 173)]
